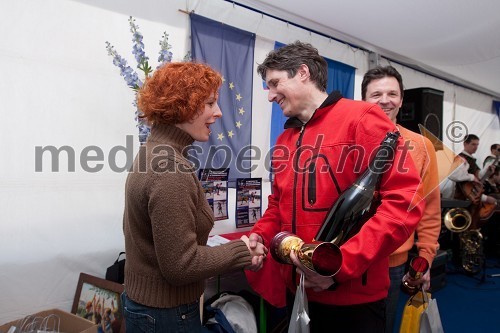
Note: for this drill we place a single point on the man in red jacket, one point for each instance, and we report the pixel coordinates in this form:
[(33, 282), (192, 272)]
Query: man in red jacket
[(312, 164)]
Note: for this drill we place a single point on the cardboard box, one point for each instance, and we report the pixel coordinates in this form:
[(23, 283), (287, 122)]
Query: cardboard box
[(69, 323)]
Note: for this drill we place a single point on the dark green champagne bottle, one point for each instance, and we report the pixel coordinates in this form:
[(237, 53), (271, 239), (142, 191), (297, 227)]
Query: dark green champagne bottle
[(358, 203)]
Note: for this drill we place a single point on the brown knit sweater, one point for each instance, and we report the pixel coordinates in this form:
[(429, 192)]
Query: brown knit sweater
[(166, 224)]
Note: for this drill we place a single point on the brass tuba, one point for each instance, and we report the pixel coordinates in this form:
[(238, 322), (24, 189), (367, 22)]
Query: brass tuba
[(457, 219), (471, 251)]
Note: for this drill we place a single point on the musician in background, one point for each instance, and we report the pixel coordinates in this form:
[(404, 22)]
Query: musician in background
[(491, 230), (469, 179), (493, 158), (469, 171), (492, 184)]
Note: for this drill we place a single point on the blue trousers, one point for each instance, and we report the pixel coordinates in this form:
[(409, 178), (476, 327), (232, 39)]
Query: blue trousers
[(139, 318), (396, 275)]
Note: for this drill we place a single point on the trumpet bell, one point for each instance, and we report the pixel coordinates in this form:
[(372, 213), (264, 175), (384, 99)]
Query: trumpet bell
[(457, 219)]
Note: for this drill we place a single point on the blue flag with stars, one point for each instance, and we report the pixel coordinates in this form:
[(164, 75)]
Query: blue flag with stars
[(231, 52)]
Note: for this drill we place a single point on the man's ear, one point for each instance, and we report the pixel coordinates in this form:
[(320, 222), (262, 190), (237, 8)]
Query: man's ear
[(303, 72)]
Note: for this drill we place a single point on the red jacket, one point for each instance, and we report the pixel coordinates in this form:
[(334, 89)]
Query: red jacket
[(302, 196)]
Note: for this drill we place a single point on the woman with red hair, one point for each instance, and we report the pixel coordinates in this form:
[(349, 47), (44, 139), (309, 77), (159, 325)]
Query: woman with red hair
[(167, 218)]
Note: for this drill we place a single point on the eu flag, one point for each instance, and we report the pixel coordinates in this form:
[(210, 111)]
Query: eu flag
[(231, 52)]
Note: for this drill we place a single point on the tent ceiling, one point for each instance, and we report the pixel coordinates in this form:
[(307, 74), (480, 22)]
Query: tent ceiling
[(458, 40)]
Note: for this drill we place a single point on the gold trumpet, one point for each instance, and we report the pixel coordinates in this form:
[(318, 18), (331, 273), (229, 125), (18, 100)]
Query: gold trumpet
[(457, 219), (323, 258)]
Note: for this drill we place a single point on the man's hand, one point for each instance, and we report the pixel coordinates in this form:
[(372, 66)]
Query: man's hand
[(491, 200), (311, 279), (491, 169), (254, 239), (425, 280)]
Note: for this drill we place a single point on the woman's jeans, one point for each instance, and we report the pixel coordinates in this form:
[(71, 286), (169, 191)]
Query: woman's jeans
[(141, 318)]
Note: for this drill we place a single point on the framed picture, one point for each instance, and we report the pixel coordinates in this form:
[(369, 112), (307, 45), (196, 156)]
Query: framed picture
[(98, 300)]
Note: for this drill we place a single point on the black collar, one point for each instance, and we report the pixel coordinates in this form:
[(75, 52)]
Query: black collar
[(333, 98)]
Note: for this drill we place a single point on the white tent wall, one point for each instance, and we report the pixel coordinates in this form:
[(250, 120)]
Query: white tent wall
[(60, 88)]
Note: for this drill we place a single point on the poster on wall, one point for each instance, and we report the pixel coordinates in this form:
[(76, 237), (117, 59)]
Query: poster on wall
[(214, 183), (248, 201)]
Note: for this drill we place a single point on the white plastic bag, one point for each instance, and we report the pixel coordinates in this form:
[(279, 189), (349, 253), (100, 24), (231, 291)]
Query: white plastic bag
[(430, 320), (299, 322)]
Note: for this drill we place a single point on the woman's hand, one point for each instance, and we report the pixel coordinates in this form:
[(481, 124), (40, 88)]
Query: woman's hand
[(258, 249), (258, 252)]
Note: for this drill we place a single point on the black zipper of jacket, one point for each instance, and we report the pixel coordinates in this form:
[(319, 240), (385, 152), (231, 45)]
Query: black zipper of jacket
[(301, 134), (311, 184), (294, 204), (332, 99)]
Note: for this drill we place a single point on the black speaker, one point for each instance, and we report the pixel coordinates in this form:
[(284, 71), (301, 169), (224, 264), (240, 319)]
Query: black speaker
[(423, 106)]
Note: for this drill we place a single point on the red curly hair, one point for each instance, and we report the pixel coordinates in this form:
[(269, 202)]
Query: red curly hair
[(177, 92)]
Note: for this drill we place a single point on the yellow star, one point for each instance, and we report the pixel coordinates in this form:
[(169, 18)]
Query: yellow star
[(238, 97), (231, 86), (241, 111), (220, 136), (223, 79), (238, 124), (230, 134)]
